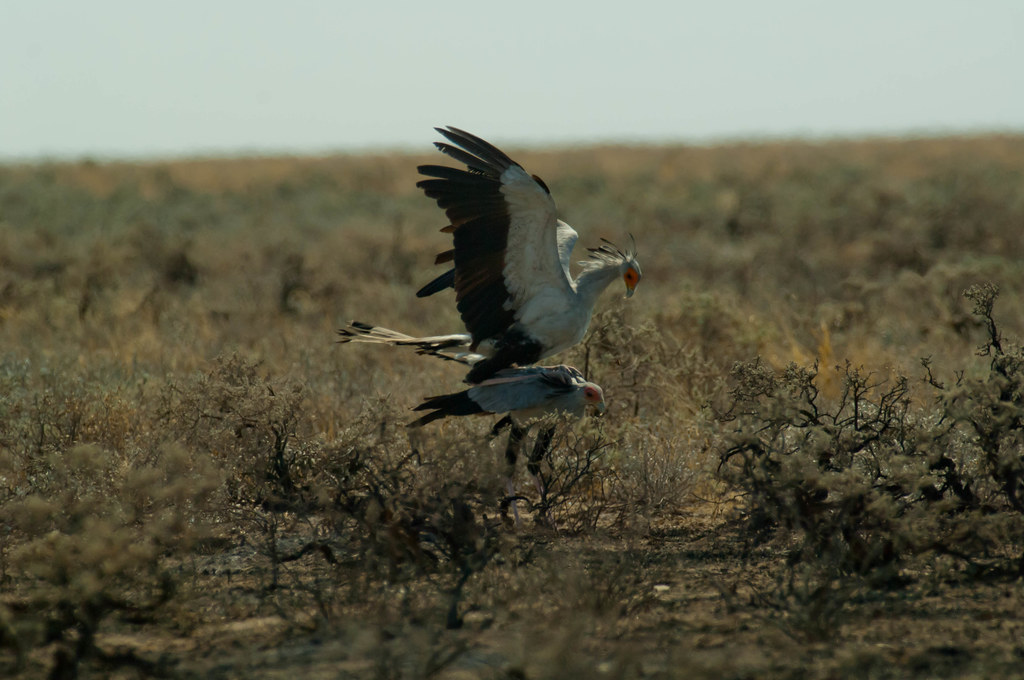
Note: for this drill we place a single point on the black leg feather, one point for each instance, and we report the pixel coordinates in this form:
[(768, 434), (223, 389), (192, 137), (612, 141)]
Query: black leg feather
[(540, 450)]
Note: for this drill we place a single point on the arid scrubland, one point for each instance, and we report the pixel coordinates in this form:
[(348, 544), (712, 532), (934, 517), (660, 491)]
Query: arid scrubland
[(812, 464)]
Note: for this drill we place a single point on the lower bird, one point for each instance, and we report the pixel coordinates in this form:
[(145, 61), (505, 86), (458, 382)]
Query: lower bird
[(525, 395)]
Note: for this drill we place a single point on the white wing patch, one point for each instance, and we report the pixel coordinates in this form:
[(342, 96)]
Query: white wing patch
[(566, 237), (533, 259)]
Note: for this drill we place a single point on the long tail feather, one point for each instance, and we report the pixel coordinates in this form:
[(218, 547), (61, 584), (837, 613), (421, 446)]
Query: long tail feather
[(448, 347)]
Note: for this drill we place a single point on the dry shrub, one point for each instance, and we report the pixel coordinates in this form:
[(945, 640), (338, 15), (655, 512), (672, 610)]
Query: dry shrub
[(47, 407), (88, 536), (658, 379), (366, 505), (247, 421), (668, 367), (876, 483), (661, 472), (576, 478), (398, 512)]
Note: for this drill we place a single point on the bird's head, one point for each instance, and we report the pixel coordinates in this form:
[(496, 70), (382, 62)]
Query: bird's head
[(631, 273), (629, 267), (593, 395)]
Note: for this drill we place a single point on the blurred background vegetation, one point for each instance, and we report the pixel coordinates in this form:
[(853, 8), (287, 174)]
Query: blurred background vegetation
[(189, 463)]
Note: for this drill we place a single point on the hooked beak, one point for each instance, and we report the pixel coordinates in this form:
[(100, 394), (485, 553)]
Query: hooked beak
[(629, 290), (599, 409)]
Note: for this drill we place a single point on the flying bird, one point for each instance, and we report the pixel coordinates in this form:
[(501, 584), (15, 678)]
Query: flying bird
[(526, 395), (511, 260)]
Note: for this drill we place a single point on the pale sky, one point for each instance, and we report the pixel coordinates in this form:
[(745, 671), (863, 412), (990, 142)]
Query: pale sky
[(109, 79)]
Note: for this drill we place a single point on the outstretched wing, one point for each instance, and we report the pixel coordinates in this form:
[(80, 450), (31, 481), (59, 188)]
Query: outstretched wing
[(566, 238), (505, 232)]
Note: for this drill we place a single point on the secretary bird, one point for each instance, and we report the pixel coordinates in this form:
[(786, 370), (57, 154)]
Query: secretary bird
[(511, 256), (526, 395)]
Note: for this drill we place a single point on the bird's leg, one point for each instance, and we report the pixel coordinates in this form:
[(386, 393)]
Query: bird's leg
[(515, 438), (510, 499), (540, 449), (501, 425)]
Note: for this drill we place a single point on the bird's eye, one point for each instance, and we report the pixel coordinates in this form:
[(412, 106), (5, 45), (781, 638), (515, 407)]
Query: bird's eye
[(631, 276)]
